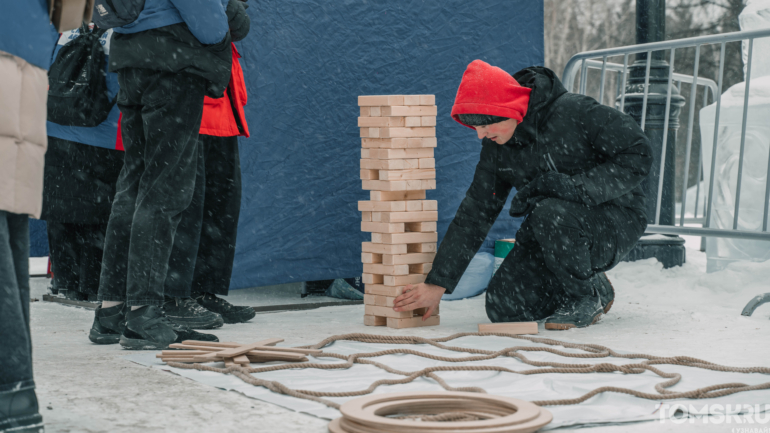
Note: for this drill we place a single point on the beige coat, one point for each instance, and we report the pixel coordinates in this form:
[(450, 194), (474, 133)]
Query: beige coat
[(23, 141)]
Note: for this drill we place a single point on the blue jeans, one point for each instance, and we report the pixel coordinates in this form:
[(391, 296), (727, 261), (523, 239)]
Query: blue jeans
[(15, 343)]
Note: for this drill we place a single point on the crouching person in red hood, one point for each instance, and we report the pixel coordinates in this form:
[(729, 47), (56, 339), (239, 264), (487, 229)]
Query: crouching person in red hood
[(577, 167)]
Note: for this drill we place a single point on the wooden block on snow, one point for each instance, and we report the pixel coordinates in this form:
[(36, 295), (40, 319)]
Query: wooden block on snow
[(381, 289), (430, 205), (371, 258), (517, 328), (427, 247), (380, 100), (389, 164), (403, 217), (372, 279), (416, 153), (380, 227), (404, 238), (367, 174), (402, 280), (427, 163), (396, 196), (372, 268), (428, 121), (366, 216), (405, 174), (421, 110), (387, 143), (382, 122), (375, 320), (422, 268), (383, 206), (374, 310), (429, 226), (421, 142), (369, 247), (406, 259), (413, 322)]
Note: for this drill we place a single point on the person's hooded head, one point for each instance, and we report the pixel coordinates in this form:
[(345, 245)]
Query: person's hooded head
[(490, 101)]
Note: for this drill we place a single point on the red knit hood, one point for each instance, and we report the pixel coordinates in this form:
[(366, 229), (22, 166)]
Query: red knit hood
[(487, 89)]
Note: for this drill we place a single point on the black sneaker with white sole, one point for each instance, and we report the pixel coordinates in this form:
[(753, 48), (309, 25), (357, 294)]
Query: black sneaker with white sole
[(109, 324), (230, 313), (188, 312), (147, 329), (576, 313)]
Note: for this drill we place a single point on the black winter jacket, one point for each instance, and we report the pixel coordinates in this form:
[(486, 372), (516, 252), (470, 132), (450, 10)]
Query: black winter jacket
[(604, 151)]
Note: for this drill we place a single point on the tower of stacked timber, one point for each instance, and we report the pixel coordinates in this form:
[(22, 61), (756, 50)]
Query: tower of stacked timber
[(397, 168)]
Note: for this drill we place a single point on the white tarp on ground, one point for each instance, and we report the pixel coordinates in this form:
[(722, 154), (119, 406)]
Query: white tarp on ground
[(607, 408)]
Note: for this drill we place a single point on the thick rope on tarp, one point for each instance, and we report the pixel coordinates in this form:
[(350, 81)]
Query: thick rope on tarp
[(589, 351)]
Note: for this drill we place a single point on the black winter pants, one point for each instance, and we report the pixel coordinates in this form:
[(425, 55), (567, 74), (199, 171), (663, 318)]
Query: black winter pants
[(76, 255), (161, 120), (215, 232), (559, 247)]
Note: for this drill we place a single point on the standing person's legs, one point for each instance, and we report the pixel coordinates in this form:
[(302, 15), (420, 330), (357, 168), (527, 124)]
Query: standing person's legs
[(18, 403), (65, 256), (91, 254)]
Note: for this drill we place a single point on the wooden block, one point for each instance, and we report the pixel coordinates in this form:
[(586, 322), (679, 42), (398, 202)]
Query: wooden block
[(422, 268), (405, 238), (277, 357), (430, 226), (402, 280), (396, 196), (406, 259), (379, 300), (389, 164), (427, 99), (375, 320), (370, 299), (412, 100), (413, 206), (421, 110), (366, 216), (420, 248), (371, 258), (426, 184), (384, 185), (370, 174), (416, 153), (425, 120), (413, 322), (377, 217), (429, 205), (369, 247), (380, 100), (420, 142), (517, 328), (370, 132), (365, 154), (372, 279), (365, 111), (380, 122), (409, 122), (235, 351), (380, 289), (230, 362), (406, 132), (399, 217), (426, 163), (383, 206), (404, 174), (389, 143), (373, 268), (226, 344), (379, 227), (242, 359), (374, 310), (375, 111)]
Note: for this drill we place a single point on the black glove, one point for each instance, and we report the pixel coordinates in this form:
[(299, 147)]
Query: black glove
[(238, 19), (548, 185)]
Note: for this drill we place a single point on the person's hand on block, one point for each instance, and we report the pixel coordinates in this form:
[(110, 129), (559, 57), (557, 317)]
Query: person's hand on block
[(419, 296)]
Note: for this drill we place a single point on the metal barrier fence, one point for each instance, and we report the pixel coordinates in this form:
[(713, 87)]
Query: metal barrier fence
[(582, 62)]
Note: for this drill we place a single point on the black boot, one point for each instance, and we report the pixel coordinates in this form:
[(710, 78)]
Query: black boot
[(187, 312), (185, 333), (147, 329), (230, 313), (576, 313), (109, 324), (19, 412), (605, 290)]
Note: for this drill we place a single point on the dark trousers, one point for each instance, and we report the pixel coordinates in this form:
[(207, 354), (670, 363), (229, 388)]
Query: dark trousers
[(15, 343), (559, 247), (217, 229), (161, 119), (76, 255)]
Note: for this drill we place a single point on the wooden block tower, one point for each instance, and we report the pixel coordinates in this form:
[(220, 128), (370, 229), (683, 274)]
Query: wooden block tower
[(397, 166)]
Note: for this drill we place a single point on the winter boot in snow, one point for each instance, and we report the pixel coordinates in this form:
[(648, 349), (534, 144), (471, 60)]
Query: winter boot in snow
[(576, 313), (19, 412), (187, 312), (147, 329), (230, 313), (605, 290), (109, 323)]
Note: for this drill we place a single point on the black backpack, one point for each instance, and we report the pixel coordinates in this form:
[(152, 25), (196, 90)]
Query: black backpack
[(109, 14), (77, 82)]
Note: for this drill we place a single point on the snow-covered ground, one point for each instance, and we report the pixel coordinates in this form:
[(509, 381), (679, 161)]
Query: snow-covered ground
[(682, 311)]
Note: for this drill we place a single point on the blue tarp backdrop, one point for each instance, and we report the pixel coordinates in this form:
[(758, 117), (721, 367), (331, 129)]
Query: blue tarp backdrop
[(305, 63)]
